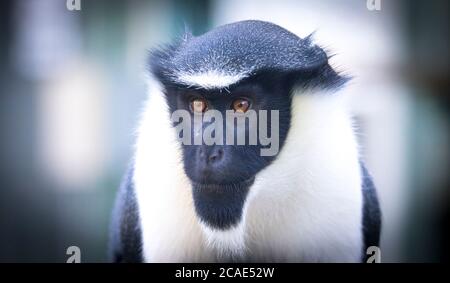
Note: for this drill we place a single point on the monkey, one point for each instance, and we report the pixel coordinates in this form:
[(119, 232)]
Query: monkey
[(313, 200)]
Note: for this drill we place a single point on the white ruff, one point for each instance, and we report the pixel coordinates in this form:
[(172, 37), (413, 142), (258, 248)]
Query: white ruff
[(305, 206)]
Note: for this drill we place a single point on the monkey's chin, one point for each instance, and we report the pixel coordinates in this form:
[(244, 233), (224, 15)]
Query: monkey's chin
[(220, 206)]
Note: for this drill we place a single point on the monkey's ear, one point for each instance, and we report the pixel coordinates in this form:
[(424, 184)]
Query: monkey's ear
[(313, 68), (312, 57)]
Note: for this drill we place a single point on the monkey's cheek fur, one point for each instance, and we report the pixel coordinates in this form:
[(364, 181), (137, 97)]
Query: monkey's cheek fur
[(220, 206)]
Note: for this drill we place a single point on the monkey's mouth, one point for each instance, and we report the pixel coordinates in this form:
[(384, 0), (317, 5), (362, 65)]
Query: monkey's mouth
[(204, 184), (220, 205)]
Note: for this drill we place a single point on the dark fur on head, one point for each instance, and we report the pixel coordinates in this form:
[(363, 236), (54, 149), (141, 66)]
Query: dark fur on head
[(246, 48)]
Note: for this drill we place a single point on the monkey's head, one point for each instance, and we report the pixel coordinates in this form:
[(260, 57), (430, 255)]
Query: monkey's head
[(229, 92)]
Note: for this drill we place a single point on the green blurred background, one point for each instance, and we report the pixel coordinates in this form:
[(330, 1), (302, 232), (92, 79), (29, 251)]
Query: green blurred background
[(72, 85)]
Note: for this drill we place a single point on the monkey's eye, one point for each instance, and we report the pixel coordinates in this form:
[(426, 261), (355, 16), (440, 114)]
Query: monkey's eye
[(199, 105), (241, 105)]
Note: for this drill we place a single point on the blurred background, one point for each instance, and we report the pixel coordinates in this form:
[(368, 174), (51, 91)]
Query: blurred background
[(72, 85)]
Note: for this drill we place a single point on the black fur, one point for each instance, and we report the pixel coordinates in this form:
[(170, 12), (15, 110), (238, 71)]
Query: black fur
[(371, 212), (220, 205), (125, 241), (249, 48)]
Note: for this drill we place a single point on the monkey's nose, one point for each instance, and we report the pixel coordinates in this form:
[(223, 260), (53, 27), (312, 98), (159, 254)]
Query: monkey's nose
[(215, 155), (211, 155)]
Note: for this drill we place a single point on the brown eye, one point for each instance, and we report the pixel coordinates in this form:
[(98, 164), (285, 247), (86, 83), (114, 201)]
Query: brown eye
[(199, 105), (241, 105)]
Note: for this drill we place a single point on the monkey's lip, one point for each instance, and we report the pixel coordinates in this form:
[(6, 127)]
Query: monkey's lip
[(209, 185)]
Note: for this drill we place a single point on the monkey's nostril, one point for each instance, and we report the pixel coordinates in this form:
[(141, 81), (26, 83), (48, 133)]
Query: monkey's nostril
[(215, 155)]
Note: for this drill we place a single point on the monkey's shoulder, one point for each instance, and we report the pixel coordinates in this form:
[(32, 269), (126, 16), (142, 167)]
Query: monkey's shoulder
[(126, 240), (371, 222)]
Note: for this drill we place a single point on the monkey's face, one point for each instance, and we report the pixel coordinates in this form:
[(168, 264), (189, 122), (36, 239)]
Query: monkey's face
[(247, 68), (227, 137)]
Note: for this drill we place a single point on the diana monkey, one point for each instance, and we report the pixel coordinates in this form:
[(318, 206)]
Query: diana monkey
[(311, 201)]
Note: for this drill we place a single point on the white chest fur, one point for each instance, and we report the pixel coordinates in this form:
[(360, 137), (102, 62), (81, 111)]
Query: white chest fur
[(305, 206)]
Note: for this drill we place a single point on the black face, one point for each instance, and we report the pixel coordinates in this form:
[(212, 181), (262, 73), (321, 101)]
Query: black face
[(222, 174)]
